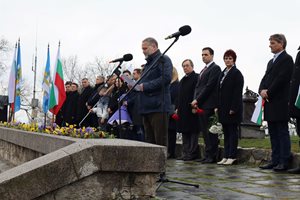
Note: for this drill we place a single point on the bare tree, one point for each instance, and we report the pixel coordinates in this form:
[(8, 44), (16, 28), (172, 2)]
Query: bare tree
[(71, 68), (4, 51), (98, 67)]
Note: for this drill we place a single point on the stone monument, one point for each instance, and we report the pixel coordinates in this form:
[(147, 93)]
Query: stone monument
[(248, 128)]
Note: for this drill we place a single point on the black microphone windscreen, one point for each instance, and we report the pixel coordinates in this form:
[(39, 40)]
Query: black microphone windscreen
[(127, 57), (185, 30)]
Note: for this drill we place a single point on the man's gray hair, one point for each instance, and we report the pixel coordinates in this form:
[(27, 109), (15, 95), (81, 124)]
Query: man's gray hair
[(151, 41), (280, 38)]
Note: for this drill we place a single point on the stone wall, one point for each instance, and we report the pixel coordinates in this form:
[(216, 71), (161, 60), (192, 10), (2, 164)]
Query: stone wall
[(80, 168)]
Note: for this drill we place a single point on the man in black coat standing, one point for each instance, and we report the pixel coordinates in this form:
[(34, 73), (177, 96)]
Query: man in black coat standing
[(205, 97), (70, 106), (274, 89), (188, 123), (85, 94), (294, 111)]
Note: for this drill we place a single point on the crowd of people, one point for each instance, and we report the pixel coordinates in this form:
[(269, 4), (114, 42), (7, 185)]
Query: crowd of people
[(161, 105)]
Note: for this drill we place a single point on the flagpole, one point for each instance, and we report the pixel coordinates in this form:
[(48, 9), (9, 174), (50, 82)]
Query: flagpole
[(34, 102), (45, 120), (13, 110)]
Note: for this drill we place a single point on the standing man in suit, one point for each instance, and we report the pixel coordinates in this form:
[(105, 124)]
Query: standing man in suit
[(274, 89), (205, 97), (295, 111)]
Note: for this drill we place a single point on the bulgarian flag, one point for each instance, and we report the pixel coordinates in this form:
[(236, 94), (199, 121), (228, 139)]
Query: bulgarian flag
[(57, 91), (257, 114), (12, 81), (297, 102)]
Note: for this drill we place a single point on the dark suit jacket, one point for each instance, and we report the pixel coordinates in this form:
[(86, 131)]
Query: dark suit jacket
[(206, 90), (277, 81), (230, 96), (295, 81)]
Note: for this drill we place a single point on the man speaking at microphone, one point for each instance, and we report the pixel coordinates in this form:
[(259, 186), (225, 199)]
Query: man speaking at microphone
[(155, 99)]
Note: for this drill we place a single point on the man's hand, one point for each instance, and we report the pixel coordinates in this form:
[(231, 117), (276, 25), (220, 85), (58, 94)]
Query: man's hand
[(264, 94), (194, 103), (141, 87)]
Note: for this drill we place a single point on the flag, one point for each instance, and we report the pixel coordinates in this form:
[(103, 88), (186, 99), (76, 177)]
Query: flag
[(46, 84), (57, 91), (257, 114), (12, 80), (297, 102), (18, 80)]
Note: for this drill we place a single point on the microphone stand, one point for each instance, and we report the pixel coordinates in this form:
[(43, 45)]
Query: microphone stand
[(162, 177), (117, 72), (147, 71)]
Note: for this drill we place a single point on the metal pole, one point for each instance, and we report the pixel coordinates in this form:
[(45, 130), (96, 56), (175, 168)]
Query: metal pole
[(33, 102)]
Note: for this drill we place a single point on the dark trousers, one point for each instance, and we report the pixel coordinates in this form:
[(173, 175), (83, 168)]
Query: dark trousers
[(190, 147), (230, 140), (156, 128), (297, 127), (211, 141), (172, 142), (280, 142)]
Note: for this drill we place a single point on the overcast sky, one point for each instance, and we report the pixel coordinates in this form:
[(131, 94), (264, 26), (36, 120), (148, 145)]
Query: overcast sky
[(109, 29)]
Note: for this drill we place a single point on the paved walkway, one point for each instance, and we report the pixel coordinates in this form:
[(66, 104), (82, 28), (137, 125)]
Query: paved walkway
[(227, 182)]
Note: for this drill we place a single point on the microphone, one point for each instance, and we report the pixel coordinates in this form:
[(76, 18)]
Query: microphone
[(184, 30), (126, 57)]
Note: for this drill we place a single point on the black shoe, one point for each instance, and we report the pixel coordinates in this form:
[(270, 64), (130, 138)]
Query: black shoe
[(200, 160), (268, 166), (294, 171), (171, 156), (280, 168), (208, 160), (181, 158), (189, 158)]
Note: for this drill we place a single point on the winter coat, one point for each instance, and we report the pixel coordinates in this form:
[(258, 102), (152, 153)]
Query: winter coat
[(188, 121), (153, 99), (277, 81), (230, 96), (294, 87)]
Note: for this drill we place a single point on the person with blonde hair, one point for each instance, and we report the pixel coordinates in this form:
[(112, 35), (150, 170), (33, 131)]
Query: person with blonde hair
[(172, 133)]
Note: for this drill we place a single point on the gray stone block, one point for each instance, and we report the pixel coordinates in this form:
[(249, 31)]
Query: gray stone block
[(244, 154), (37, 177)]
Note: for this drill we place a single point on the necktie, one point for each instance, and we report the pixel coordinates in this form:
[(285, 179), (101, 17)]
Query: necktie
[(202, 71)]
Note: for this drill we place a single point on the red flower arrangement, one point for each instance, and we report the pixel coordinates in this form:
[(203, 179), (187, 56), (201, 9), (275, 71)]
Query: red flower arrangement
[(198, 111), (175, 116)]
